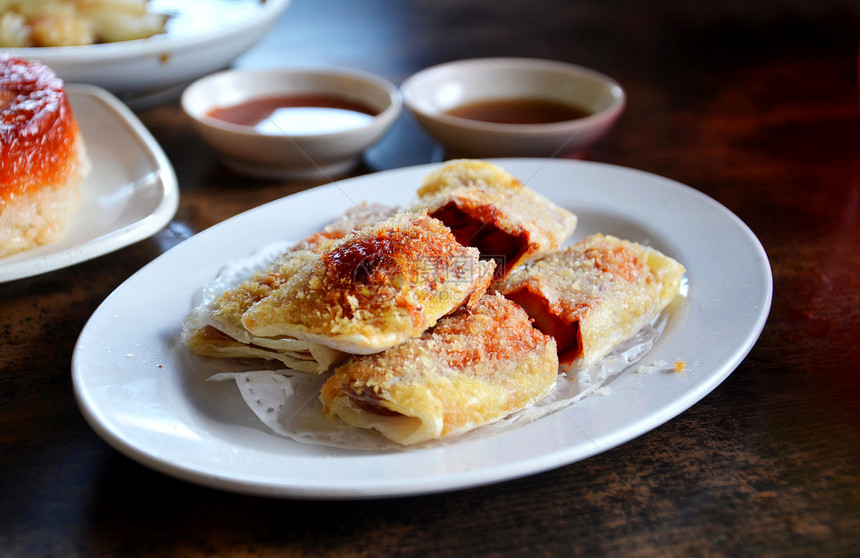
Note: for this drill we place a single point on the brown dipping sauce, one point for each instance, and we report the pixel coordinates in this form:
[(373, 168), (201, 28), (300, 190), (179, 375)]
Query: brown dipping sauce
[(519, 111), (297, 114)]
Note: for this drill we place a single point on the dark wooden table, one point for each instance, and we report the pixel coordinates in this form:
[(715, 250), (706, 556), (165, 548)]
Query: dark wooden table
[(753, 103)]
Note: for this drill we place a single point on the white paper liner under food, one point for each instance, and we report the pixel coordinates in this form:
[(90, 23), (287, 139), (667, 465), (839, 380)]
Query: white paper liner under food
[(287, 401)]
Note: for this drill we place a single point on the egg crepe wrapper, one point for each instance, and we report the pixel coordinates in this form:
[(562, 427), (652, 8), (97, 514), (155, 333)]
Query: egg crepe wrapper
[(213, 328), (374, 288), (287, 403), (490, 209), (594, 294), (475, 366)]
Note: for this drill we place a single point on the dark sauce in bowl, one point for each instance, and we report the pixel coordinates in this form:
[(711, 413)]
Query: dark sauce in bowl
[(297, 114), (519, 111)]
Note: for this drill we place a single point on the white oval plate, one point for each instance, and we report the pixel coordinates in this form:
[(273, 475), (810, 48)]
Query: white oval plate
[(202, 36), (129, 194), (136, 391)]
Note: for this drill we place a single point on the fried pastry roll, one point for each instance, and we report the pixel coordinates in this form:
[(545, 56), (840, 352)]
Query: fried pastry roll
[(215, 329), (476, 366), (488, 208), (595, 294), (374, 288)]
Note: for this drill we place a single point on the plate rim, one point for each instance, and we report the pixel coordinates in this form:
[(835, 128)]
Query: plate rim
[(462, 480), (114, 239)]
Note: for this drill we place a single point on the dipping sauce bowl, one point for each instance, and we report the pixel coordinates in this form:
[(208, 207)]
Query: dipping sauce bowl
[(291, 123), (513, 107)]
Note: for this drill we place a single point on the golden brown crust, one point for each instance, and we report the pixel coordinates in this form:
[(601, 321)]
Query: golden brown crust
[(235, 302), (224, 314), (477, 365), (597, 293), (354, 218), (490, 209), (461, 173), (374, 288)]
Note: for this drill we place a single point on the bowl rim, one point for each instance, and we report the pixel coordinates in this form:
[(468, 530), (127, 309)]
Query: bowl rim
[(618, 93), (154, 45), (382, 119)]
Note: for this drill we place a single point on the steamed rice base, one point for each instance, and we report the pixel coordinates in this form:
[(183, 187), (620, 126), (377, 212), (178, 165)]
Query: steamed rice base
[(42, 215), (38, 217)]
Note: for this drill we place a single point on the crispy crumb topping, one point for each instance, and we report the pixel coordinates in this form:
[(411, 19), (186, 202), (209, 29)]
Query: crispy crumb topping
[(476, 365), (595, 293), (379, 285)]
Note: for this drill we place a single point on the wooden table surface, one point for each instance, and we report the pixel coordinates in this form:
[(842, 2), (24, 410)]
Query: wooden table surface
[(753, 103)]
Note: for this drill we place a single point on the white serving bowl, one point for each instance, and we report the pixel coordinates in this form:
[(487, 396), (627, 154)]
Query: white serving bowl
[(431, 93), (282, 155), (202, 37)]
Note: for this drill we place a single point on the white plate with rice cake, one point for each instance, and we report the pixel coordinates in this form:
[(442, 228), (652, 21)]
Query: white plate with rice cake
[(129, 194), (139, 391)]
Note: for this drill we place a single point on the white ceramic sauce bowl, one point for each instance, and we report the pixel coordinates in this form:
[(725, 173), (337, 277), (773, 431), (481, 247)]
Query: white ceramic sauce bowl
[(290, 155), (431, 93)]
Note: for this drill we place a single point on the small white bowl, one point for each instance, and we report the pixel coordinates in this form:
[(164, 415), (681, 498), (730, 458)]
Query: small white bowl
[(431, 93), (290, 156)]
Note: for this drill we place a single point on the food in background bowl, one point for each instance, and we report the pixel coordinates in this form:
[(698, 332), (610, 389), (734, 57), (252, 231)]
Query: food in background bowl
[(42, 157), (57, 23)]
